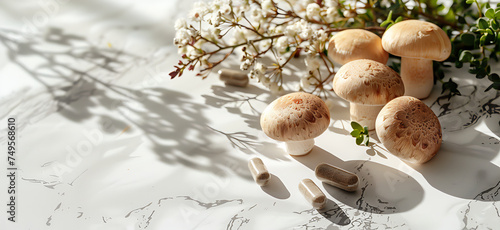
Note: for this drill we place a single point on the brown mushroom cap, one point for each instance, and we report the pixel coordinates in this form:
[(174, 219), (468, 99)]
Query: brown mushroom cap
[(367, 82), (409, 129), (295, 117), (354, 44), (417, 39)]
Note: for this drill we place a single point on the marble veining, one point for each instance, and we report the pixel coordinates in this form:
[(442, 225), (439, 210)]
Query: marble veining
[(171, 154)]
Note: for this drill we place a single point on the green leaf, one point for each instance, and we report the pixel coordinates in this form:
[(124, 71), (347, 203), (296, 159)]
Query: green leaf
[(465, 56), (365, 130), (497, 14), (389, 16), (494, 77), (494, 24), (356, 126), (470, 1), (482, 40), (489, 87), (386, 22), (468, 38), (482, 24), (359, 140), (490, 13), (355, 133), (367, 142), (480, 75), (496, 85), (400, 18)]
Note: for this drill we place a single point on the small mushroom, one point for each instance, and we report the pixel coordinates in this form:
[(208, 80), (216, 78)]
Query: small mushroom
[(354, 44), (368, 85), (296, 119), (417, 43), (409, 129)]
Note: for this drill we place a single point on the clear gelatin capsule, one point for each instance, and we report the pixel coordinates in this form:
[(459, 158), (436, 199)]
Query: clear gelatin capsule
[(312, 193), (337, 177), (259, 171), (233, 77)]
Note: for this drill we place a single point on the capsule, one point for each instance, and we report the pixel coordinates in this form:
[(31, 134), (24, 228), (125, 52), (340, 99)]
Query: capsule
[(233, 77), (259, 171), (337, 177), (312, 193)]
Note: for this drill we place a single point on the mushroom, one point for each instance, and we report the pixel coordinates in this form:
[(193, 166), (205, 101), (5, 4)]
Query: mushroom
[(354, 44), (409, 129), (296, 119), (368, 85), (417, 43)]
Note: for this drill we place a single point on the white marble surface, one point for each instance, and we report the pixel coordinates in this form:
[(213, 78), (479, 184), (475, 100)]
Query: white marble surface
[(108, 141)]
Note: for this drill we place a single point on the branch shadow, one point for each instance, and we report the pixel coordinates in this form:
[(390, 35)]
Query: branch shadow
[(168, 119), (463, 168)]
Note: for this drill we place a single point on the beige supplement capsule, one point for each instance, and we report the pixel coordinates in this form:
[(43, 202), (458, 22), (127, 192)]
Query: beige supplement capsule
[(233, 77), (312, 193), (259, 171), (337, 177)]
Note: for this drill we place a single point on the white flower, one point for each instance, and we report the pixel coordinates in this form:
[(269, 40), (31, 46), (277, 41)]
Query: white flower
[(282, 44), (321, 35), (182, 37), (199, 10), (331, 14), (191, 52), (258, 71), (180, 24), (276, 29), (256, 14), (330, 3), (291, 30), (305, 29), (386, 3), (260, 68), (239, 36), (300, 28), (215, 19), (246, 64), (313, 10), (267, 6), (312, 63), (225, 9)]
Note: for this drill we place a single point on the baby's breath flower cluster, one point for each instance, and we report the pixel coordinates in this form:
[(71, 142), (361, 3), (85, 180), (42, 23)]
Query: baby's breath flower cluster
[(266, 35)]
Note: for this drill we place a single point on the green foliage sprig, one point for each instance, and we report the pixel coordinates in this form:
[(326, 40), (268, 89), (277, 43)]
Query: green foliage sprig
[(360, 133)]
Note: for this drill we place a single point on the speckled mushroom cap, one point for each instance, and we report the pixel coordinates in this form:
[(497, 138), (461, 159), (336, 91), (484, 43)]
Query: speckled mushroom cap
[(417, 39), (354, 44), (409, 129), (367, 82), (295, 117)]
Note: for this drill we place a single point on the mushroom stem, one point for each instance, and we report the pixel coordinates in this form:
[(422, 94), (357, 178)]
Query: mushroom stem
[(299, 148), (365, 115), (417, 76)]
